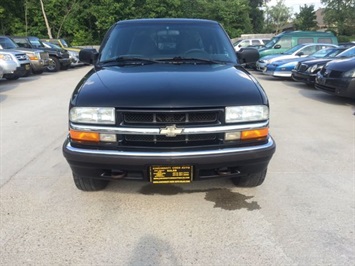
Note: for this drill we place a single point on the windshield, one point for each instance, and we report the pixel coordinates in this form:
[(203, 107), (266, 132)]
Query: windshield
[(327, 52), (347, 53), (271, 43), (36, 43), (65, 44), (160, 40), (52, 45), (293, 49), (7, 43)]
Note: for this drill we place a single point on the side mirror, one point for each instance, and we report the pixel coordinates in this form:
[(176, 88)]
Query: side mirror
[(239, 45), (300, 54), (247, 55), (277, 46), (88, 56)]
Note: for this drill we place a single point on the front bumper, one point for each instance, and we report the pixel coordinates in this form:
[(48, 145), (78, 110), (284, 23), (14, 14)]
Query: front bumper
[(343, 87), (23, 70), (38, 65), (303, 77), (65, 61), (135, 165), (260, 65), (8, 67)]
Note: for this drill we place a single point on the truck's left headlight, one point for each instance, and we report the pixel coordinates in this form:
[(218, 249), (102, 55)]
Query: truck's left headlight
[(235, 114), (92, 115)]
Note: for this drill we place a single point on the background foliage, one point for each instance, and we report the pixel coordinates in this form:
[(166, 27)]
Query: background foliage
[(86, 21)]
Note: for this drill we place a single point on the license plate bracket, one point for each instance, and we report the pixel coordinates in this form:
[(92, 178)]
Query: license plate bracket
[(170, 174)]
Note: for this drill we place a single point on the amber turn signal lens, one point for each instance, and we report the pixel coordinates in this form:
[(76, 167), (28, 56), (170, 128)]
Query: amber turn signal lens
[(84, 136), (255, 133)]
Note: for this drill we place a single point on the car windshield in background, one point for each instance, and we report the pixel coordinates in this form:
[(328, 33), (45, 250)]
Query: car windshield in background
[(36, 43), (65, 44), (7, 43), (294, 49), (347, 53), (175, 41), (331, 52), (52, 45), (272, 42)]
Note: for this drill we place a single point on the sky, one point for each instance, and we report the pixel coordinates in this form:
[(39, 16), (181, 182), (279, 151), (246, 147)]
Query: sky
[(295, 4)]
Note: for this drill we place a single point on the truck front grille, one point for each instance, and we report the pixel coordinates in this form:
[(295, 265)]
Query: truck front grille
[(166, 118), (186, 117), (21, 57), (165, 139)]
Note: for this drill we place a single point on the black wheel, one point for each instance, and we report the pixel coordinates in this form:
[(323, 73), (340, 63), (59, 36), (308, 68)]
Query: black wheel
[(89, 184), (251, 180), (11, 77), (54, 64)]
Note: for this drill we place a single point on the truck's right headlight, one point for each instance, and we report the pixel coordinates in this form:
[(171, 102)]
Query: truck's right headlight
[(92, 115), (5, 57), (235, 114)]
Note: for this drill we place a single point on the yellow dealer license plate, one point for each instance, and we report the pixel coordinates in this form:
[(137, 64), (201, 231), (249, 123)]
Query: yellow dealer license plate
[(161, 174)]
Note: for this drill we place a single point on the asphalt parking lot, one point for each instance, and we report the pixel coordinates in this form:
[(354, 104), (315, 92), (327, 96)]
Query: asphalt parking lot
[(303, 214)]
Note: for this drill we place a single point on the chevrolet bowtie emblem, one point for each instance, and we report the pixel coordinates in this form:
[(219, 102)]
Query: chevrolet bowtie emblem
[(171, 131)]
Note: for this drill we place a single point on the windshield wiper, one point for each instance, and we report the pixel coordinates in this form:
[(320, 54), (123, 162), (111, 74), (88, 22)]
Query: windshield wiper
[(191, 60), (130, 60)]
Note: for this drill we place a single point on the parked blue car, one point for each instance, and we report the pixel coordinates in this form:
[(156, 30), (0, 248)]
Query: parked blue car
[(283, 68), (301, 50)]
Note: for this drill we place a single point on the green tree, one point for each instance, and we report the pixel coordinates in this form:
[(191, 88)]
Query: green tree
[(277, 16), (306, 19), (256, 15), (340, 14)]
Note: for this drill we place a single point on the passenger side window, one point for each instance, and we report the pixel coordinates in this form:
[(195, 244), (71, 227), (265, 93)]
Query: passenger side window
[(324, 40), (255, 42), (305, 40), (285, 43), (308, 50)]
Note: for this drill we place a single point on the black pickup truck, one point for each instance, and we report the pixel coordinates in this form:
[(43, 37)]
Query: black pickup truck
[(167, 102), (58, 58)]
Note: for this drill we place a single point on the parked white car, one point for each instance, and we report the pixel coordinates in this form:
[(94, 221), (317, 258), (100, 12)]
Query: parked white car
[(257, 43)]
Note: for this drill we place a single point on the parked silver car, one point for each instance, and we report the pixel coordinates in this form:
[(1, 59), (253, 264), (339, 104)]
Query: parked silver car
[(39, 59), (14, 64)]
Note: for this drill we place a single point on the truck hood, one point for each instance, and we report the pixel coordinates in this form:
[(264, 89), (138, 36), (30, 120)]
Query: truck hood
[(168, 86)]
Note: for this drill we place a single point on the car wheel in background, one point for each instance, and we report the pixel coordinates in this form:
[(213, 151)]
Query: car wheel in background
[(54, 64)]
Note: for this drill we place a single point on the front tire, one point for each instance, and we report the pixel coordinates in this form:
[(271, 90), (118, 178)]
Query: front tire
[(250, 180), (89, 184), (54, 64)]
